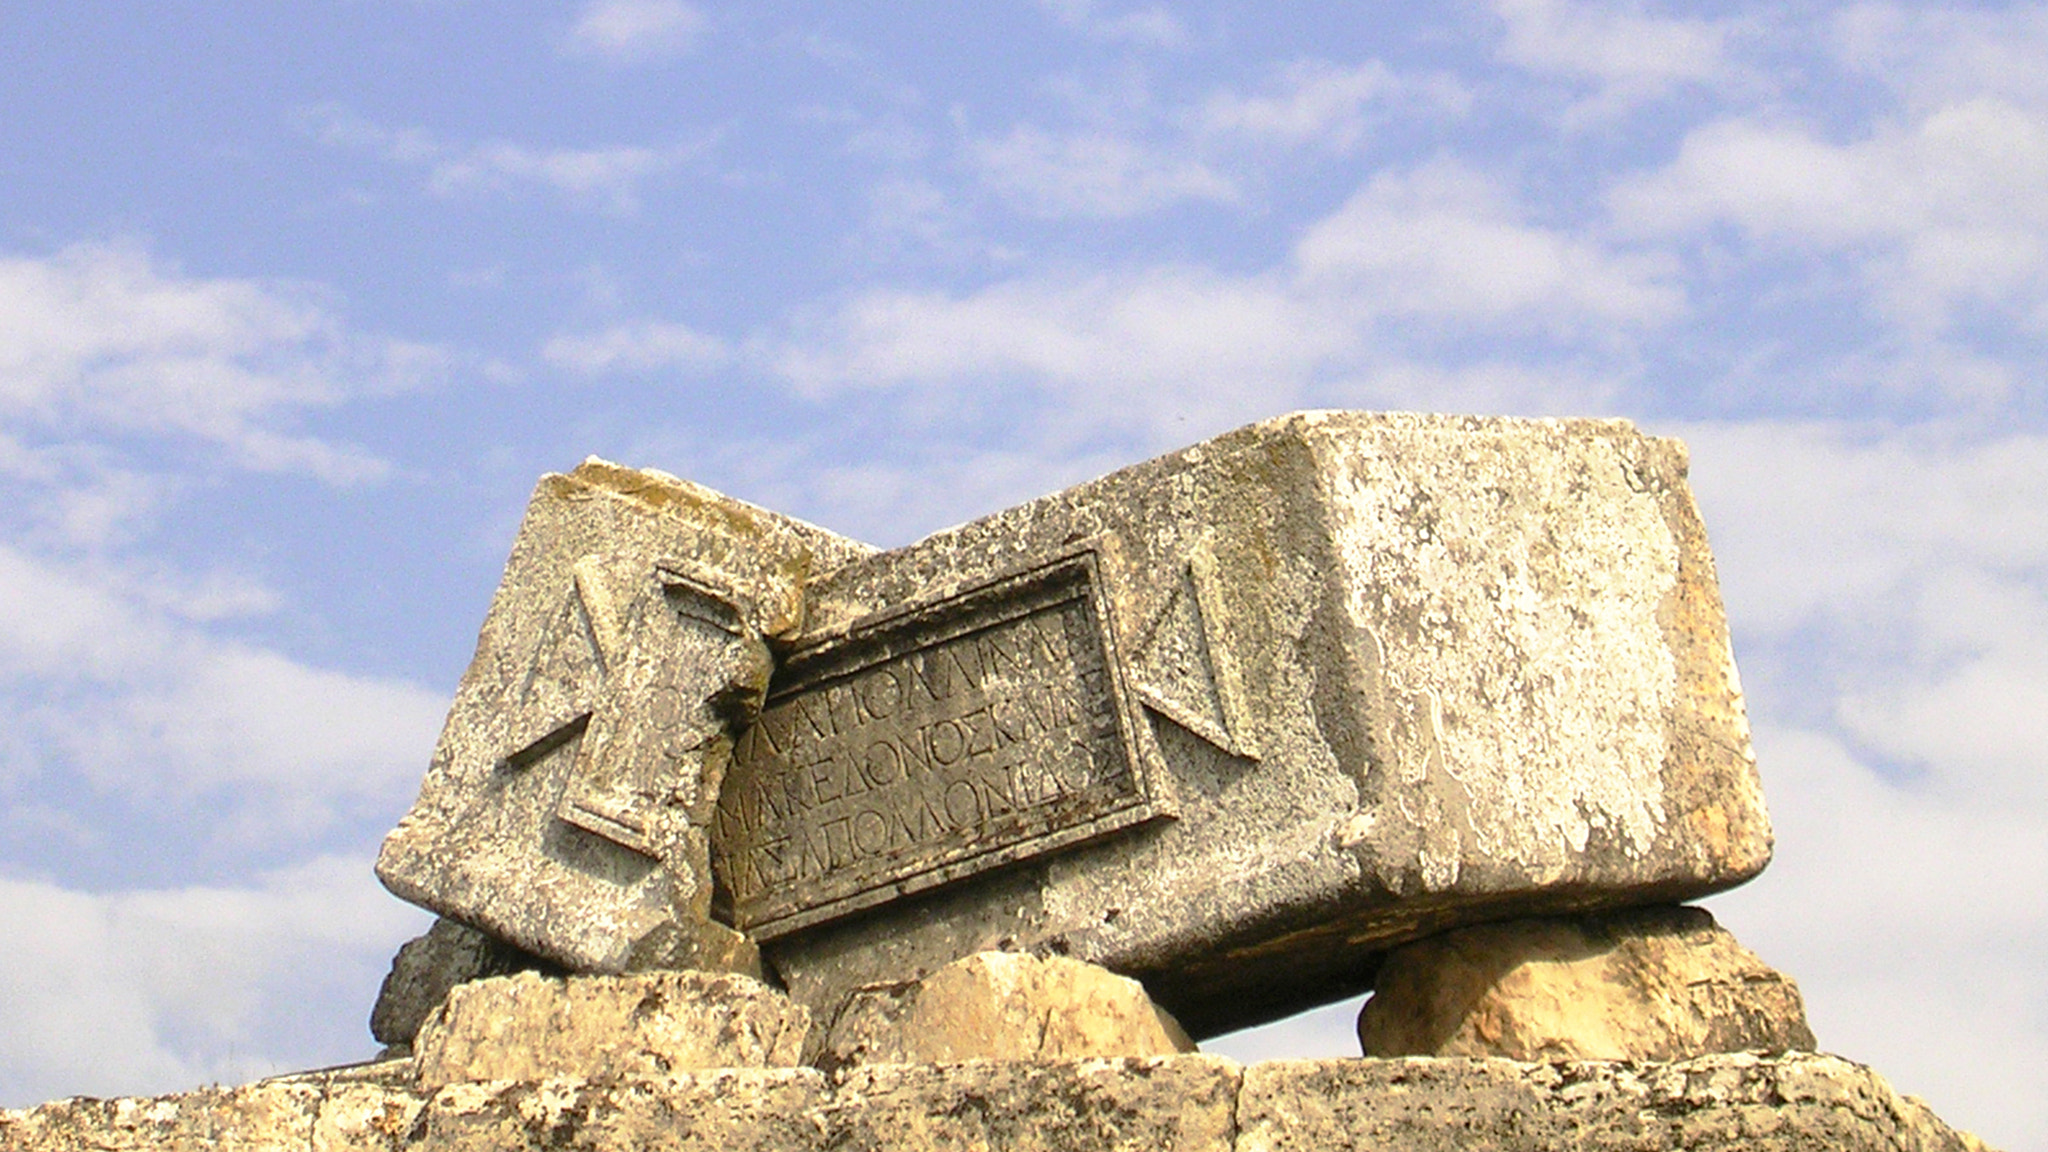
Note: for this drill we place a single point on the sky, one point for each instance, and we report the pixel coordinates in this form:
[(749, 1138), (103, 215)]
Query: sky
[(297, 302)]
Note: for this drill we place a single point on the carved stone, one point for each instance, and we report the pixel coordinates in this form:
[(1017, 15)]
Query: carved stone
[(1237, 720), (1234, 721), (568, 804), (934, 742)]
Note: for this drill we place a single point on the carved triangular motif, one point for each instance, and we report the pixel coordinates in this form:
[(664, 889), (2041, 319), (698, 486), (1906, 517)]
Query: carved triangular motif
[(553, 695), (1184, 665)]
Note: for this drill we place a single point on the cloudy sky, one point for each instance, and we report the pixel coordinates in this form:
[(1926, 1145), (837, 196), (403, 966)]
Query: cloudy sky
[(296, 301)]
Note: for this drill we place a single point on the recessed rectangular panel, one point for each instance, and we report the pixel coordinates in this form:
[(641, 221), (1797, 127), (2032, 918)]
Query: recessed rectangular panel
[(931, 743)]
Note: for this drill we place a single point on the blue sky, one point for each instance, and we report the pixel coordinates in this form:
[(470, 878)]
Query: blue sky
[(296, 302)]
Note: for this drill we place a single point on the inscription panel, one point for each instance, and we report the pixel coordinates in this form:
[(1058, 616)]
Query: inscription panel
[(932, 743)]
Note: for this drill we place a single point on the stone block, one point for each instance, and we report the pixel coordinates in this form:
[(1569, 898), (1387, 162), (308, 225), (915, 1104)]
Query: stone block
[(1003, 1006), (430, 964), (1643, 984), (1238, 720), (1734, 1102), (716, 1110), (532, 1027), (1164, 1104), (567, 806)]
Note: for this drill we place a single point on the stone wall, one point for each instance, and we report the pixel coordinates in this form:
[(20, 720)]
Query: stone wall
[(1185, 1103)]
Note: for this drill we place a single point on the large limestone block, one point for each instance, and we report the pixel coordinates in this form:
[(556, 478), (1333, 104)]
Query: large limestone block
[(1165, 1104), (531, 1027), (714, 1110), (1236, 720), (1644, 984), (567, 807), (1737, 1102), (1003, 1006), (430, 964)]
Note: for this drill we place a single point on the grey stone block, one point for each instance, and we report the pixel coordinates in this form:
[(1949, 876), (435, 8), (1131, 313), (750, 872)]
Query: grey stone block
[(1237, 720), (567, 806), (1161, 1104), (1737, 1102), (430, 964)]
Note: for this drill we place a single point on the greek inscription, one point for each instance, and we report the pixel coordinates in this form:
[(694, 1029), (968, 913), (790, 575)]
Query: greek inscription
[(980, 731)]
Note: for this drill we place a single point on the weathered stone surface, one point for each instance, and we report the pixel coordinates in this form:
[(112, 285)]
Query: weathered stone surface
[(429, 964), (859, 785), (1191, 1103), (567, 807), (714, 1110), (1644, 984), (1003, 1006), (532, 1027), (1736, 1101), (367, 1107), (1236, 720), (1173, 1104)]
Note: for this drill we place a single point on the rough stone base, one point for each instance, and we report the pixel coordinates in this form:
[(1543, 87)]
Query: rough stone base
[(430, 964), (1003, 1006), (532, 1027), (1194, 1102), (1658, 983)]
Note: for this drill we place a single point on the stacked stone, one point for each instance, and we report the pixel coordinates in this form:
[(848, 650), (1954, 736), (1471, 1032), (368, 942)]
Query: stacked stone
[(1240, 722), (1443, 708)]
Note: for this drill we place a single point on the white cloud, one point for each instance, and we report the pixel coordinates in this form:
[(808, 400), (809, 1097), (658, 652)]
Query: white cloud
[(636, 348), (159, 991), (150, 709), (1969, 704), (132, 705), (1445, 240), (1151, 26), (1127, 156), (1315, 102), (1938, 204), (1093, 173), (1893, 589), (1914, 923), (611, 177), (1935, 55), (1626, 53), (1434, 254), (106, 338), (916, 218), (1118, 351), (1812, 518), (1948, 209), (636, 31), (108, 664)]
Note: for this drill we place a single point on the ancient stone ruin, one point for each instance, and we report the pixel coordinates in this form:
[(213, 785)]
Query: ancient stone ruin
[(747, 835)]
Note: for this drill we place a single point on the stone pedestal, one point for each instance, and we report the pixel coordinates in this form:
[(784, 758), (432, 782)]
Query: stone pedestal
[(1644, 984), (1003, 1006), (533, 1027)]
